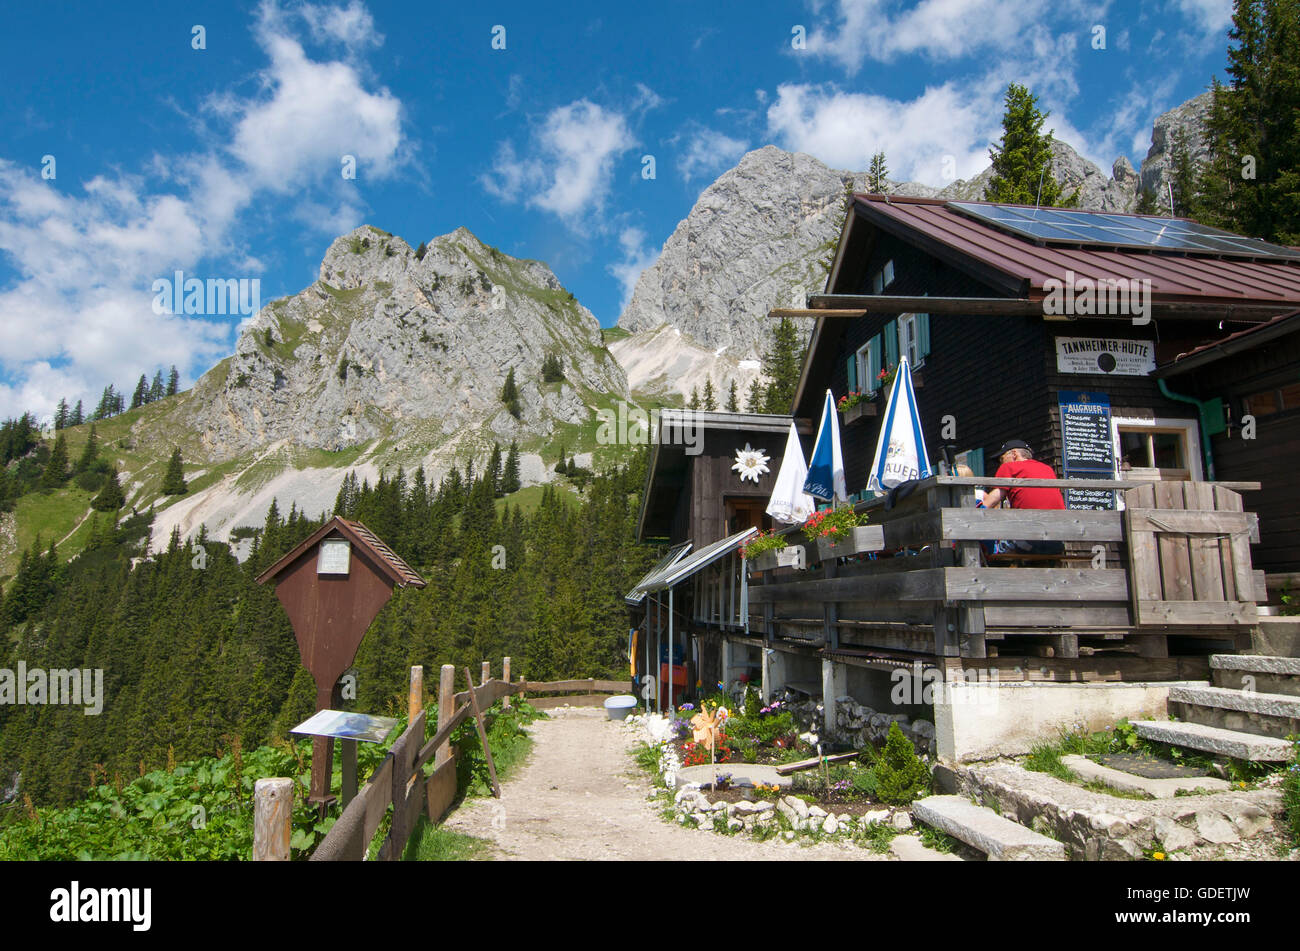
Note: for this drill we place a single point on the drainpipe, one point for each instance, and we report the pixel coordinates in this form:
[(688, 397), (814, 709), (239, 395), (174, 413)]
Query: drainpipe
[(1206, 429)]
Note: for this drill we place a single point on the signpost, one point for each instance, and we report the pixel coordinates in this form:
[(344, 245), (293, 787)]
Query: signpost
[(332, 585), (1088, 450)]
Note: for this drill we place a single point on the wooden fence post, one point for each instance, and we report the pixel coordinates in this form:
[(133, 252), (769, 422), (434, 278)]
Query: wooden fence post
[(415, 698), (446, 708), (272, 819), (505, 676), (486, 675)]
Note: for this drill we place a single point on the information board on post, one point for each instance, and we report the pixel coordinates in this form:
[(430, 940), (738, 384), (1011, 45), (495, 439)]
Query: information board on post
[(1088, 450)]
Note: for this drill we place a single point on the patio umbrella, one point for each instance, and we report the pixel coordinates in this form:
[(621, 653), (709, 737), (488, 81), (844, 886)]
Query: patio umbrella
[(900, 450), (825, 479), (789, 502)]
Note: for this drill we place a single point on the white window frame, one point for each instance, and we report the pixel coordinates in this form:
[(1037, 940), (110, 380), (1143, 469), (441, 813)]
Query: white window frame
[(867, 382), (1188, 428), (883, 278), (906, 323)]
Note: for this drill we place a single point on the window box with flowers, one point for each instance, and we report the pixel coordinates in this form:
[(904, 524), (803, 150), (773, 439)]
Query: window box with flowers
[(767, 550), (855, 406), (841, 533)]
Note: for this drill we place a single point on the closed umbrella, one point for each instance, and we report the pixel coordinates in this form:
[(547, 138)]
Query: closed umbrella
[(789, 502), (825, 479), (900, 449)]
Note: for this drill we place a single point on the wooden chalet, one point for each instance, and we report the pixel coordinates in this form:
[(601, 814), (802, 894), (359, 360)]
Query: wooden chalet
[(1017, 324)]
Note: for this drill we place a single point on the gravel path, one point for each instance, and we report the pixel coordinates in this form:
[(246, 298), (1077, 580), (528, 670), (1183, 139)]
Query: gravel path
[(580, 796)]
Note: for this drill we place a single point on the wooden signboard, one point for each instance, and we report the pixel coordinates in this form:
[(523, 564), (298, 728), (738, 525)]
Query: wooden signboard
[(332, 585)]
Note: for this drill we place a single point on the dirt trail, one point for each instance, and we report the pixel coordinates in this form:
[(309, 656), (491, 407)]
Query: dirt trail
[(580, 796)]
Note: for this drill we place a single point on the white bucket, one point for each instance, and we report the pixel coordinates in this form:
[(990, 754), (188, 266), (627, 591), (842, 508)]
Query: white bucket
[(618, 708)]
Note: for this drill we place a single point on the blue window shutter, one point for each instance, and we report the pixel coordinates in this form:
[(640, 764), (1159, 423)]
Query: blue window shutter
[(975, 459), (873, 364), (923, 334), (851, 371), (891, 343)]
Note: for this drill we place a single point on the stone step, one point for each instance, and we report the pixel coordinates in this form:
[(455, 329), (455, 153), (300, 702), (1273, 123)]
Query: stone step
[(1209, 739), (998, 838), (1262, 672), (910, 848), (1087, 770), (1249, 711), (1279, 636)]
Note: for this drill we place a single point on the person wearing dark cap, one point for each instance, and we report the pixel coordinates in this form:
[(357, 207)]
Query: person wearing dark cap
[(1017, 462)]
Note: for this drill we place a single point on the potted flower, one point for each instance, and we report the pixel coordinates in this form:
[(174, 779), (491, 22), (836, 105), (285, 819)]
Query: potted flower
[(842, 532), (768, 550), (886, 377), (855, 405)]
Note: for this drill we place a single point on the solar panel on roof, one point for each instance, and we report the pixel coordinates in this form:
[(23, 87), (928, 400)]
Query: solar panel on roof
[(1095, 229)]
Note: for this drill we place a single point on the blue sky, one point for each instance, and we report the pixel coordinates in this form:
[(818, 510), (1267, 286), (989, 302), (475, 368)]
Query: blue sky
[(127, 154)]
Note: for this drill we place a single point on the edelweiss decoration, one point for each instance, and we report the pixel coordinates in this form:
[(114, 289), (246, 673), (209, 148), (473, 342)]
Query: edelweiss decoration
[(751, 463)]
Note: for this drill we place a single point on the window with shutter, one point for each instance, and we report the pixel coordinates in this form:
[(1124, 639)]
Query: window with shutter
[(891, 344), (851, 371)]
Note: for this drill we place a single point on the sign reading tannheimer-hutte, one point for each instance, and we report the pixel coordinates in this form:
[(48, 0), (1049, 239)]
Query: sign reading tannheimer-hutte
[(1116, 356)]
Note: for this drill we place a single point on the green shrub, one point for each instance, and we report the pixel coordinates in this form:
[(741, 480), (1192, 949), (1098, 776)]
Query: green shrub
[(900, 774), (1291, 793), (753, 703)]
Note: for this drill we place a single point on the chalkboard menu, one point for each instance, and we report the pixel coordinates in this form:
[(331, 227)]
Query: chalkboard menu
[(1089, 452)]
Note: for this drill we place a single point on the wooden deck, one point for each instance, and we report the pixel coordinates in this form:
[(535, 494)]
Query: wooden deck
[(1170, 570)]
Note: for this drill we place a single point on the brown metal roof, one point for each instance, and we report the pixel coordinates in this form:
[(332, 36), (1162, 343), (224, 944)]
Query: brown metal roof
[(1173, 275), (398, 571), (1255, 336)]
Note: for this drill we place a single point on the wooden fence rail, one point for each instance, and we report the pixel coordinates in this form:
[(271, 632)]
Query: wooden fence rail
[(399, 781)]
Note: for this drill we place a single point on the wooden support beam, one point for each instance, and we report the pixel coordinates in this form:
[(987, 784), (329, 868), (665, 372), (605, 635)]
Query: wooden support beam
[(482, 735), (272, 819), (446, 708)]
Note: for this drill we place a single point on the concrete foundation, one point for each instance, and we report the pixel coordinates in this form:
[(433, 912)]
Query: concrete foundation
[(978, 721), (835, 683)]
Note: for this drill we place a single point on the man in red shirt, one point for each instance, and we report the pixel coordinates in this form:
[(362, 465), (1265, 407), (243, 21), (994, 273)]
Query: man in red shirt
[(1017, 462)]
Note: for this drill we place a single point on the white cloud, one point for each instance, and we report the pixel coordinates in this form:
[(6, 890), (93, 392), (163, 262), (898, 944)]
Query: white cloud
[(844, 129), (1209, 16), (570, 165), (78, 314), (707, 152), (637, 256)]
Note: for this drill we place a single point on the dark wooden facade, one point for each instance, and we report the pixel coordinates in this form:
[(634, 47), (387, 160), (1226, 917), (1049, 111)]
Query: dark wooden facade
[(1256, 374)]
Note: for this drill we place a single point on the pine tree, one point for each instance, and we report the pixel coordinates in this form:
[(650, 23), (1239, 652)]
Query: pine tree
[(782, 364), (877, 174), (56, 469), (174, 480), (1251, 183), (1183, 177), (173, 381), (421, 251), (89, 452), (733, 401), (141, 394), (157, 389), (754, 402), (78, 414), (493, 474), (1022, 160), (510, 394), (110, 497), (694, 401), (710, 398), (510, 477), (61, 415)]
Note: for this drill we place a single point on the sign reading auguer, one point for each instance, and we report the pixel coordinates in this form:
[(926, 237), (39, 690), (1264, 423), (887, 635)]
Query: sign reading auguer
[(332, 585)]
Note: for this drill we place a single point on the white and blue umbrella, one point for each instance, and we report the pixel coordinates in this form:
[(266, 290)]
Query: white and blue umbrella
[(900, 450), (826, 470), (789, 502)]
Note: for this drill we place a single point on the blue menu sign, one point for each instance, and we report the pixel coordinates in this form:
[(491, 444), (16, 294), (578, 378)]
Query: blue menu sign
[(1087, 448)]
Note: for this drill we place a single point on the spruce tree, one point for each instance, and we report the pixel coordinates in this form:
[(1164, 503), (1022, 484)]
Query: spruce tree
[(89, 452), (1022, 159), (876, 174), (61, 415), (174, 480), (733, 402), (1251, 183), (56, 469), (493, 474), (110, 497), (754, 402), (78, 414), (694, 401), (1183, 177), (510, 477), (157, 389), (710, 398), (141, 394), (510, 394), (782, 364), (173, 381)]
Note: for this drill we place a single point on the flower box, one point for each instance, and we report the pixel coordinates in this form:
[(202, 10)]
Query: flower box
[(862, 539), (791, 556), (860, 411)]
